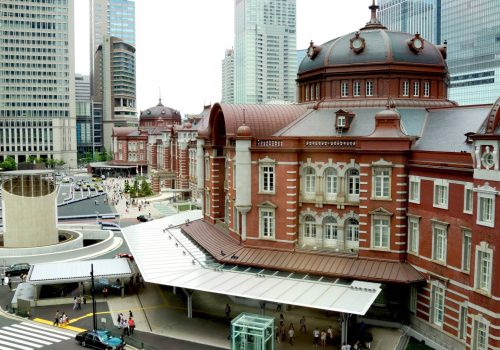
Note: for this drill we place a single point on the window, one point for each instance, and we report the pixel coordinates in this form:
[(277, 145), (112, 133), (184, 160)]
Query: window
[(480, 341), (427, 89), (466, 249), (344, 89), (380, 232), (369, 88), (307, 92), (439, 241), (353, 182), (312, 91), (309, 227), (356, 88), (353, 230), (416, 88), (468, 198), (462, 322), (267, 178), (414, 196), (441, 193), (341, 121), (330, 182), (330, 228), (381, 183), (413, 234), (406, 88), (486, 209), (267, 223), (317, 91), (234, 173), (437, 304), (309, 180), (207, 203), (207, 168), (483, 267), (236, 220)]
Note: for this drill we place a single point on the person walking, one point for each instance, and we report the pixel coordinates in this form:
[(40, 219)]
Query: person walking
[(303, 328), (131, 325), (75, 303), (79, 303), (291, 334), (323, 338), (56, 320), (227, 310), (316, 335), (329, 335)]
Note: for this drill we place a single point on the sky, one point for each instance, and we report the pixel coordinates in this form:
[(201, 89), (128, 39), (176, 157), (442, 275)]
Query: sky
[(180, 44)]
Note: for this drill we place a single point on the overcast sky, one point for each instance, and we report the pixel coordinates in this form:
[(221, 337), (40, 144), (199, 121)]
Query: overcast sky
[(180, 44)]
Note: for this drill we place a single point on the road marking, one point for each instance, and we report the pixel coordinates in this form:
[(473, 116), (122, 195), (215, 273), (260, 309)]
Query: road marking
[(40, 334), (67, 334), (15, 346), (20, 342), (17, 334)]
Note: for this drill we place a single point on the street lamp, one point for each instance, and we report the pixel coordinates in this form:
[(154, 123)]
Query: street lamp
[(92, 290)]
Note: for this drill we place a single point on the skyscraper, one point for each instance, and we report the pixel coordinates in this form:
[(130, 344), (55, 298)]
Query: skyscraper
[(473, 49), (264, 51), (228, 77), (412, 16), (84, 127), (37, 91)]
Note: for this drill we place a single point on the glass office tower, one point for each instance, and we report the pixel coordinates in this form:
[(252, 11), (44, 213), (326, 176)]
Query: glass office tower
[(472, 29), (264, 51), (228, 77), (37, 91)]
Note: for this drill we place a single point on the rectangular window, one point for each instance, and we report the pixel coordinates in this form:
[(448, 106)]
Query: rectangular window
[(235, 219), (331, 183), (468, 198), (369, 88), (466, 249), (441, 194), (480, 336), (485, 210), (406, 88), (483, 270), (439, 241), (437, 304), (207, 203), (356, 88), (380, 232), (307, 93), (413, 234), (416, 88), (317, 91), (427, 89), (382, 181), (267, 223), (267, 178), (340, 121), (207, 168), (462, 322), (344, 89), (414, 190)]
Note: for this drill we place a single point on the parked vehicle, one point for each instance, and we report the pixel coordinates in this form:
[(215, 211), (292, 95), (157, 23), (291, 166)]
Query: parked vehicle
[(143, 218), (17, 269), (99, 340)]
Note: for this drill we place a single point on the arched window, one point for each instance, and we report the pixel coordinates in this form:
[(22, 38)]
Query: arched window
[(312, 92), (330, 228), (309, 227), (352, 230), (309, 180), (353, 182), (331, 181)]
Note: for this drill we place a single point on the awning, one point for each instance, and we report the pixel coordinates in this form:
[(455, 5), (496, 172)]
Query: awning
[(167, 256)]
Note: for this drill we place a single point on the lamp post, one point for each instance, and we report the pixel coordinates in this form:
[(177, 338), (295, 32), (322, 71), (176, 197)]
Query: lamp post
[(92, 290)]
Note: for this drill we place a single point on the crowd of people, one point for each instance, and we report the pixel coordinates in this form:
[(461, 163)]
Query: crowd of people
[(125, 325)]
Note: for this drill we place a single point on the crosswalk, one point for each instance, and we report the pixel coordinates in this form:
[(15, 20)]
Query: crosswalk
[(28, 336), (165, 209)]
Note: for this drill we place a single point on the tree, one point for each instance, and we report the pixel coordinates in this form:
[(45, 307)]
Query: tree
[(126, 188), (146, 189), (8, 164), (135, 188)]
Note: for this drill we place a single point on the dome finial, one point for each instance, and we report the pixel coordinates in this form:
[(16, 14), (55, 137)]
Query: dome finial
[(374, 22), (159, 97)]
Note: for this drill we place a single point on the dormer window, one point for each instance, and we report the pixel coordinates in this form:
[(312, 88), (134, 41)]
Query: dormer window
[(341, 121)]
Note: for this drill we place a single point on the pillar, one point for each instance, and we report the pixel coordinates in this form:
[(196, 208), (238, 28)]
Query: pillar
[(262, 307), (189, 295), (183, 165), (243, 181)]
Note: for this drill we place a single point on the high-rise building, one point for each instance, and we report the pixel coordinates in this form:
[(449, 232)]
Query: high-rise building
[(473, 49), (264, 51), (84, 127), (228, 77), (114, 86), (413, 16), (37, 91)]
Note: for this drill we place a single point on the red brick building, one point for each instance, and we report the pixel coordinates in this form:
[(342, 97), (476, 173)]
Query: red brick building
[(374, 175)]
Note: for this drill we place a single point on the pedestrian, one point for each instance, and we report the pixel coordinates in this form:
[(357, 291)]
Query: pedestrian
[(119, 319), (75, 303), (56, 319), (227, 310), (303, 328), (356, 345), (291, 334), (329, 333), (2, 279), (84, 300), (79, 303), (316, 335), (277, 331), (10, 285), (64, 319), (126, 329), (278, 307), (131, 325), (105, 292), (369, 339), (323, 338), (282, 320), (130, 314)]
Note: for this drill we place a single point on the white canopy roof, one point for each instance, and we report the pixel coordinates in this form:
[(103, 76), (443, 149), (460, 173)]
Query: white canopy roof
[(166, 256)]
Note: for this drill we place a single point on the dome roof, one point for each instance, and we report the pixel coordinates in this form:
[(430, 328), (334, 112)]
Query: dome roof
[(160, 111), (379, 46), (244, 131)]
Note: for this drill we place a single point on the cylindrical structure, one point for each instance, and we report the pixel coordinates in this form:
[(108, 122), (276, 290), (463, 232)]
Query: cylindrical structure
[(29, 202)]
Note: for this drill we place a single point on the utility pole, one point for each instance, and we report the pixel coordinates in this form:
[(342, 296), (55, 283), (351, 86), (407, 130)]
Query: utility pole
[(94, 317)]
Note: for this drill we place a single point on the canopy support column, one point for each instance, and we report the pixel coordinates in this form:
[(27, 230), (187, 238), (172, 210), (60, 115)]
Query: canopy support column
[(344, 325), (189, 295), (262, 308), (122, 287)]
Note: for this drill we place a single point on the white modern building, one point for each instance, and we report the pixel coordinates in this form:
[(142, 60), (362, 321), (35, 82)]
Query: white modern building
[(228, 77), (37, 92), (265, 51)]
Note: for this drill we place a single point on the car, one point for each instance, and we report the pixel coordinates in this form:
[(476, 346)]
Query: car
[(100, 189), (143, 218), (77, 188), (125, 256), (17, 269), (98, 339)]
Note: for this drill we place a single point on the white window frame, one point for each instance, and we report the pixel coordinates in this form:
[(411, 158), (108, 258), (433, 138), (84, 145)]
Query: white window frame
[(330, 228), (344, 89), (267, 223), (312, 92), (381, 182), (414, 189), (307, 92), (352, 231), (356, 88), (437, 303), (267, 183), (468, 198), (439, 241), (427, 89), (207, 203), (480, 333), (309, 180), (486, 208), (353, 184), (309, 227), (341, 121), (369, 88), (416, 88), (413, 234), (207, 168), (406, 88), (462, 322), (484, 268), (441, 193), (331, 179), (466, 249), (317, 91), (381, 232)]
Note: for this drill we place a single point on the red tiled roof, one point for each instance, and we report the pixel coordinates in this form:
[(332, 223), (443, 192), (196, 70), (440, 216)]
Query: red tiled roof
[(215, 241)]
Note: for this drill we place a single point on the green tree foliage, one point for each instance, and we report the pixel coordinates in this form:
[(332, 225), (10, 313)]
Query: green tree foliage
[(136, 190), (8, 164), (146, 189), (126, 188)]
